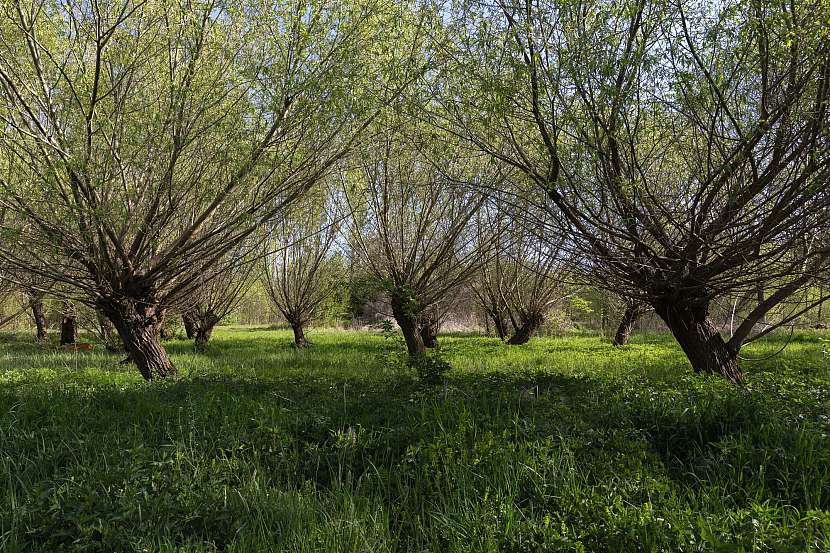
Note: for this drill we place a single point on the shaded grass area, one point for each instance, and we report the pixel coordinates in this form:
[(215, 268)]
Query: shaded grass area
[(565, 444)]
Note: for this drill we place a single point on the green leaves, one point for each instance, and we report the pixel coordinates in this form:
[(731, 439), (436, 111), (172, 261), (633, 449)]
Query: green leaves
[(563, 445)]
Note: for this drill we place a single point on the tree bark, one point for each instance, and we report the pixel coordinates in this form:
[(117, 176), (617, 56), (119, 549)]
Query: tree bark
[(498, 323), (137, 323), (36, 304), (189, 325), (528, 327), (429, 332), (69, 325), (164, 332), (407, 321), (203, 324), (632, 314), (202, 335), (701, 342), (501, 327), (299, 335), (112, 343)]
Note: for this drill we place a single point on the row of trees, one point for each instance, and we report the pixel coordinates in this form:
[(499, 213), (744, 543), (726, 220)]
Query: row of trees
[(674, 153)]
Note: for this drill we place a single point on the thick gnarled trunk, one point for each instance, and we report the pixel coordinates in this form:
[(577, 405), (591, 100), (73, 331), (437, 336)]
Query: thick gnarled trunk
[(138, 325), (36, 303), (429, 332), (189, 325), (165, 333), (69, 325), (630, 317), (112, 342), (501, 326), (203, 324), (701, 342), (497, 317), (201, 336), (528, 326), (408, 322), (299, 335)]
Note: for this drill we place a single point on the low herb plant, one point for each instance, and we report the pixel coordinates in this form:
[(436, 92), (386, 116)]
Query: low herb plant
[(564, 444)]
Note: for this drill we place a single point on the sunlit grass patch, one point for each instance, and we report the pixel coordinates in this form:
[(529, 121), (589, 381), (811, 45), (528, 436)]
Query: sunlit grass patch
[(565, 444)]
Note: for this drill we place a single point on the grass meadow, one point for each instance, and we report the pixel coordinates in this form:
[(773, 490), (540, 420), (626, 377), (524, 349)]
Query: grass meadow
[(564, 444)]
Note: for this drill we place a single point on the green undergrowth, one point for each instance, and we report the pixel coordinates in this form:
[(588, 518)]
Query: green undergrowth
[(565, 444)]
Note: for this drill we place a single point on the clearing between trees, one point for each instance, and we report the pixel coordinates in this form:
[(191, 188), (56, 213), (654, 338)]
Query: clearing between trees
[(566, 444)]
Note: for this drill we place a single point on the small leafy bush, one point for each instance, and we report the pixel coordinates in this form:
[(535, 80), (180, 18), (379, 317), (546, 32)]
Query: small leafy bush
[(431, 368), (387, 328)]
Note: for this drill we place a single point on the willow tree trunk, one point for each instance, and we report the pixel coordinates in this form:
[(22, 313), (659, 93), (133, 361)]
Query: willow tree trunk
[(408, 322), (299, 335), (499, 324), (112, 343), (632, 314), (701, 342), (189, 325), (429, 332), (164, 331), (36, 303), (204, 321), (201, 336), (137, 323), (530, 324), (69, 325), (501, 327)]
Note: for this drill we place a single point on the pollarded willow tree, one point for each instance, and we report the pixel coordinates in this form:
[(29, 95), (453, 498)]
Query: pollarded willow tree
[(69, 323), (633, 311), (217, 296), (301, 270), (147, 139), (411, 214), (34, 299), (686, 145), (524, 277)]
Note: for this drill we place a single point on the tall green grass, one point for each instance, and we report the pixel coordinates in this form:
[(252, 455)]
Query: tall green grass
[(565, 444)]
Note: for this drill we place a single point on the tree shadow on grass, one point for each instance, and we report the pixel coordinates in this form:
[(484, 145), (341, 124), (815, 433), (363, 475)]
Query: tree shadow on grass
[(679, 430), (96, 448)]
